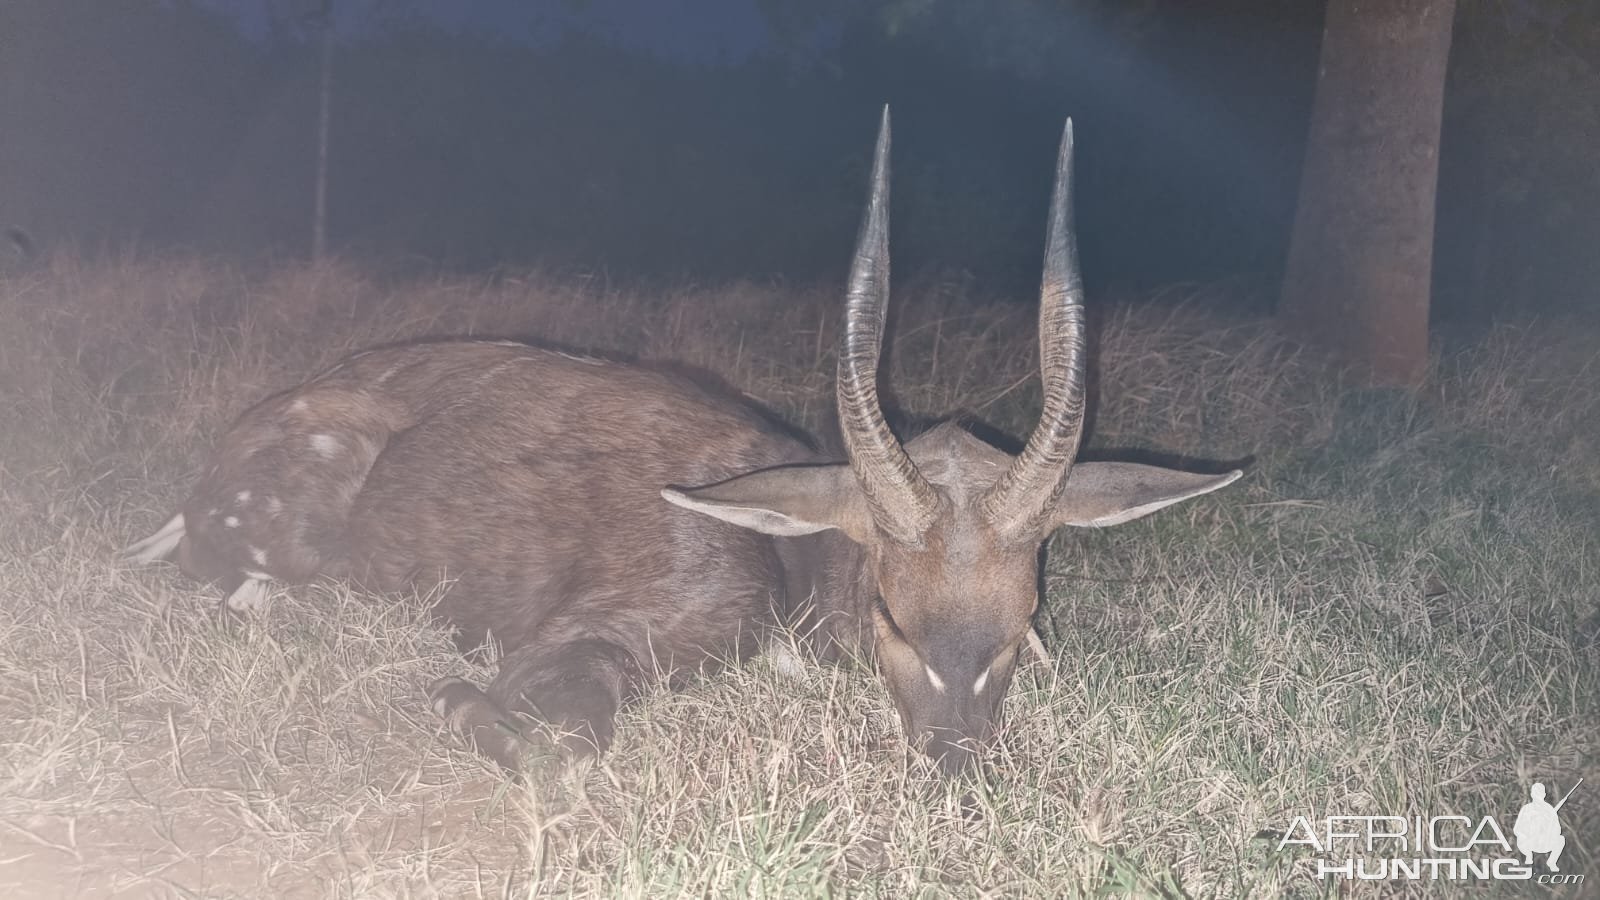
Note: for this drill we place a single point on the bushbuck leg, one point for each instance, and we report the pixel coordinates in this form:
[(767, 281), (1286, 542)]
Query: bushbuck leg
[(576, 688)]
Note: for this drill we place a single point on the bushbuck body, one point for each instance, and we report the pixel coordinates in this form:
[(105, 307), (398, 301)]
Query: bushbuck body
[(609, 524)]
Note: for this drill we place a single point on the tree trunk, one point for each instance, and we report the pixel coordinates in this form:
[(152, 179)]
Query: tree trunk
[(1360, 261)]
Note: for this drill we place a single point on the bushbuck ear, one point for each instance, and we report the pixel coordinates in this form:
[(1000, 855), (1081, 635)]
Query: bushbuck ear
[(785, 501), (1101, 494)]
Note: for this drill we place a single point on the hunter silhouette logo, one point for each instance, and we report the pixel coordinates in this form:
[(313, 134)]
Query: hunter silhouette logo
[(1439, 847), (1538, 829)]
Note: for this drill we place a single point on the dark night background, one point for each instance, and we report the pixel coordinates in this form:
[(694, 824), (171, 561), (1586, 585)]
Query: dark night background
[(664, 140)]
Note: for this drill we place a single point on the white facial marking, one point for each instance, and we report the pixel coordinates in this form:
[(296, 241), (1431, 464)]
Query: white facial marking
[(326, 445), (259, 555), (934, 679), (977, 686), (231, 522), (242, 497)]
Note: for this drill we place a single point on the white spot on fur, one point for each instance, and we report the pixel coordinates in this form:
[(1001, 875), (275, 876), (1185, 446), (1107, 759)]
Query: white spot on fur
[(231, 521), (299, 406), (274, 506), (242, 497), (786, 662), (388, 374), (259, 576), (259, 555), (326, 445), (586, 360), (977, 686), (934, 679)]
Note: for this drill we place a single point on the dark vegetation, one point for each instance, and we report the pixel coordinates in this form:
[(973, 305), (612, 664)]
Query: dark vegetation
[(162, 124)]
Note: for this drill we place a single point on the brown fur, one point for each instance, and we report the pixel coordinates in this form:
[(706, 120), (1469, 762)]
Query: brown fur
[(530, 480)]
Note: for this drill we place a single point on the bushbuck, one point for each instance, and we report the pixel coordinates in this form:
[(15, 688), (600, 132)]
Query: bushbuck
[(609, 524)]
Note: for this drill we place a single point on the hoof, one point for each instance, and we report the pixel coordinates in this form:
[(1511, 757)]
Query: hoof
[(157, 546), (252, 595), (487, 725)]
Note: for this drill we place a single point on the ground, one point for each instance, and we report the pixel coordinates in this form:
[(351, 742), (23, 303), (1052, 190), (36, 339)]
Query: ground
[(1394, 613)]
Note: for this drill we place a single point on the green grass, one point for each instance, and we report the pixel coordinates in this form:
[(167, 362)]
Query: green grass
[(1396, 612)]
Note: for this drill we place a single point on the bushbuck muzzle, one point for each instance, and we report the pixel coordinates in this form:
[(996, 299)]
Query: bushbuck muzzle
[(531, 481)]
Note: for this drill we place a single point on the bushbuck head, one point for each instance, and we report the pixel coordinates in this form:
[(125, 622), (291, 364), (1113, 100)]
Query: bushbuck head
[(951, 526)]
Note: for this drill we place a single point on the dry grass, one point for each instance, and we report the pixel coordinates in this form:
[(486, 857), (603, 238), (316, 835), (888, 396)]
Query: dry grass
[(1395, 613)]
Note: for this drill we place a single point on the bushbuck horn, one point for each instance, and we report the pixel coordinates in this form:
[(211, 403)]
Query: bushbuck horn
[(1021, 502), (533, 479), (903, 503)]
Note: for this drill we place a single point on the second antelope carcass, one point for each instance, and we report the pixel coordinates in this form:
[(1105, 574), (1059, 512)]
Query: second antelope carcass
[(609, 524)]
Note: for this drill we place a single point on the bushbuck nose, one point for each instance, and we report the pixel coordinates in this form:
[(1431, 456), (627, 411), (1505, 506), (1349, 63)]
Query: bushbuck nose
[(953, 754)]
